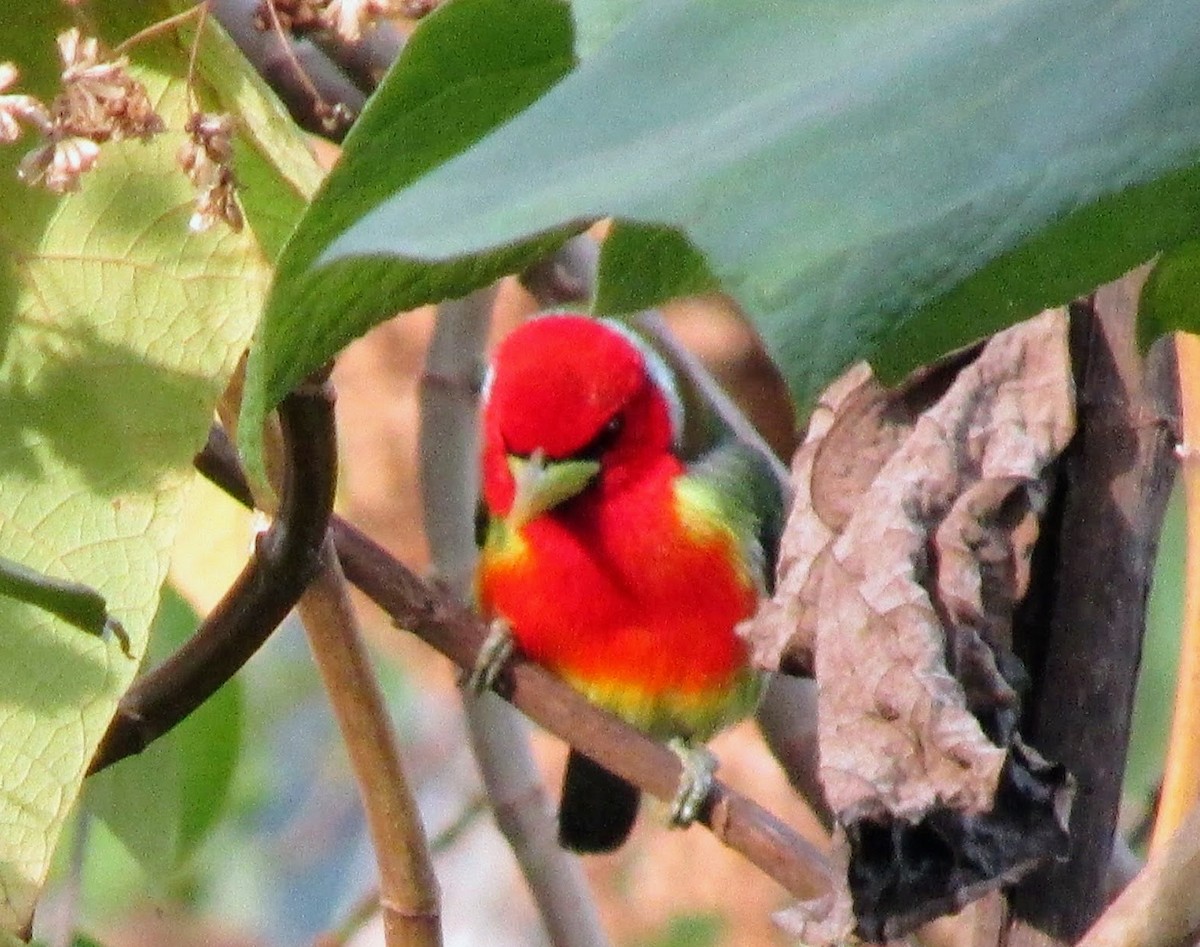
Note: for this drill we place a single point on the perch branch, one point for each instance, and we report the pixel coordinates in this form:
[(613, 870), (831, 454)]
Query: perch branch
[(451, 628)]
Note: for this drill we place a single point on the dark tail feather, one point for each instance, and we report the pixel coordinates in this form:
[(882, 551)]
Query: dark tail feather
[(598, 809)]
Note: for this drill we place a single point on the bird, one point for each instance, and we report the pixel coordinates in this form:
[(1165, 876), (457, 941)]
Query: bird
[(612, 562)]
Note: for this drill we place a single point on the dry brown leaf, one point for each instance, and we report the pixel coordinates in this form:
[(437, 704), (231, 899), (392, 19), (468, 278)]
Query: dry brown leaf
[(902, 563)]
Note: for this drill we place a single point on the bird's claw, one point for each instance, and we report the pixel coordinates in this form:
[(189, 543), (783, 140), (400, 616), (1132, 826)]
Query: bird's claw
[(493, 655), (695, 783)]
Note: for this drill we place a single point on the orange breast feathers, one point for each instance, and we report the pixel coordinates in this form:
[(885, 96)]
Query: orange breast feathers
[(633, 599)]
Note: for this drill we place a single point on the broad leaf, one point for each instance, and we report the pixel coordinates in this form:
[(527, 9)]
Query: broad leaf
[(642, 266), (1171, 296), (118, 330), (469, 66), (838, 165)]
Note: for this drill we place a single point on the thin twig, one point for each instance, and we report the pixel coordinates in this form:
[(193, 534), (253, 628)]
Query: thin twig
[(367, 905), (498, 735), (160, 27), (284, 560), (408, 888)]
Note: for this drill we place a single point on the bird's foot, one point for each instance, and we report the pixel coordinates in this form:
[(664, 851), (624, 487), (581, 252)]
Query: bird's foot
[(493, 655), (699, 767)]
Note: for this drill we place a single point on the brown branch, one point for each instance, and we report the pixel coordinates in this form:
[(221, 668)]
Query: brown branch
[(408, 888), (284, 560), (1082, 629), (456, 632)]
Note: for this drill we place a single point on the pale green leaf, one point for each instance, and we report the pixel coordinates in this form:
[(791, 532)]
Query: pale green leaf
[(118, 330)]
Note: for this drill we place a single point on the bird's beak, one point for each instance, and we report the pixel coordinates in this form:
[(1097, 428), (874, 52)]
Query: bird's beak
[(542, 484)]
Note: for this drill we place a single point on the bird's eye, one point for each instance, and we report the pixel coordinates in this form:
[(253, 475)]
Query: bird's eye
[(604, 439)]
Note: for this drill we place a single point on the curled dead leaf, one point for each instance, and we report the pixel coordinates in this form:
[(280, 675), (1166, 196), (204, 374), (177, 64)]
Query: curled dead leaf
[(902, 564)]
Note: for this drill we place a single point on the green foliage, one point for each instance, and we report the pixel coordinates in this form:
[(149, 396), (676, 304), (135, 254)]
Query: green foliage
[(642, 266), (469, 67), (838, 166), (1171, 297), (118, 330), (163, 801)]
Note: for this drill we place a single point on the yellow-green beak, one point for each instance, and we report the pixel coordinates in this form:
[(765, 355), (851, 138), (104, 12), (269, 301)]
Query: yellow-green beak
[(542, 484)]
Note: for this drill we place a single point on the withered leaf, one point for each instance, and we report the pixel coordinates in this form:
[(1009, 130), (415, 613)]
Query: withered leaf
[(902, 563)]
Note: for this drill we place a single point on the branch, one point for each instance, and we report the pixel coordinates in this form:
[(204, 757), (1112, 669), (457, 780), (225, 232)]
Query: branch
[(499, 737), (408, 888), (1081, 630), (284, 560), (456, 632)]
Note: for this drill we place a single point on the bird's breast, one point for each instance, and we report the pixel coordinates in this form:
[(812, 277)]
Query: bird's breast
[(634, 601)]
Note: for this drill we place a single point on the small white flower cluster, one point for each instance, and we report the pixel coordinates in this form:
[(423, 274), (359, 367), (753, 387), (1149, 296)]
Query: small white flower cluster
[(101, 102)]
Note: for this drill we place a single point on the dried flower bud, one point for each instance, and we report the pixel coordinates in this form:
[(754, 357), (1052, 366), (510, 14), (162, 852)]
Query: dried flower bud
[(206, 158), (348, 18), (218, 202), (58, 165), (16, 109), (100, 100), (294, 16), (415, 9)]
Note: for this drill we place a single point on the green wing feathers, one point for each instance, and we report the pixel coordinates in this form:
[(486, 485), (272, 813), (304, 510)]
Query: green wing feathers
[(738, 484)]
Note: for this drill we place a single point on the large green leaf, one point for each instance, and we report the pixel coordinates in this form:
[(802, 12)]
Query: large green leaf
[(839, 165), (470, 66), (641, 266), (118, 330)]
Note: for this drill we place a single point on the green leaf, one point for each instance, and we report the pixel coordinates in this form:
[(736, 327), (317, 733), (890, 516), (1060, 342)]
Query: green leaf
[(642, 266), (1069, 258), (162, 802), (838, 165), (1171, 296), (119, 328), (470, 66), (596, 21)]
